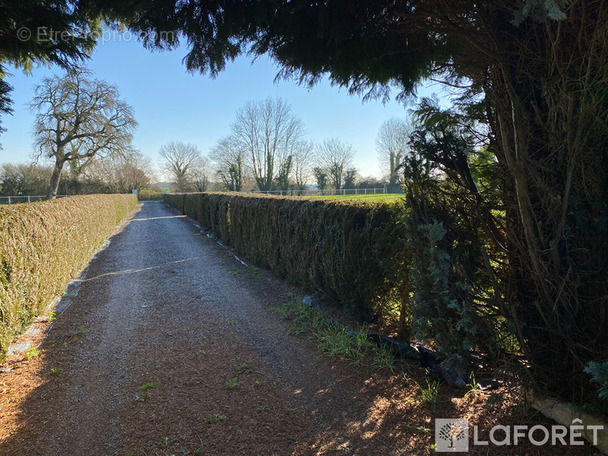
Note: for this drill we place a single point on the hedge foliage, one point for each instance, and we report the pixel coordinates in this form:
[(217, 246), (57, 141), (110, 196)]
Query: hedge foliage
[(351, 251), (43, 246), (149, 195)]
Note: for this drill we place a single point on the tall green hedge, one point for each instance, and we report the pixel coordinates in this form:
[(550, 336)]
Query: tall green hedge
[(351, 251), (43, 246)]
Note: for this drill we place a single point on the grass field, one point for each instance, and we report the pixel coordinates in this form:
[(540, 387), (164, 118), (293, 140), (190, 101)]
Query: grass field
[(381, 198)]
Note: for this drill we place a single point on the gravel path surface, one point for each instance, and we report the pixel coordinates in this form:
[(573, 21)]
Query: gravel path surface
[(170, 348)]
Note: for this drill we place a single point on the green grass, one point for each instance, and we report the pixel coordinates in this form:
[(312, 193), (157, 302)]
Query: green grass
[(233, 383), (214, 418), (428, 394), (378, 198), (245, 368), (340, 343), (235, 271), (32, 352), (417, 429), (146, 387), (383, 358), (333, 339)]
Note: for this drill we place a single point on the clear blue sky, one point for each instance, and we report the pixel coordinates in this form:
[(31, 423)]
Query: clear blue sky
[(171, 104)]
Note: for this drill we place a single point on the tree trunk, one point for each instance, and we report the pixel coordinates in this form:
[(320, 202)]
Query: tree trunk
[(393, 170), (56, 178)]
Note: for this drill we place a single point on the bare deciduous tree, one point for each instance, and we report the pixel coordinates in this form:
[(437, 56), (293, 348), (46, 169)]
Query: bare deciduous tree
[(303, 158), (79, 119), (269, 133), (199, 175), (229, 161), (334, 157), (180, 160), (392, 144), (124, 173)]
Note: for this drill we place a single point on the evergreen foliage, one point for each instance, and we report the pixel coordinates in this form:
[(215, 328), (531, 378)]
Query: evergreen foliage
[(43, 246)]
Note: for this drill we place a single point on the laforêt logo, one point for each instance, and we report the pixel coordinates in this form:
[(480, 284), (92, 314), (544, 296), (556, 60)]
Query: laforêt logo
[(451, 435)]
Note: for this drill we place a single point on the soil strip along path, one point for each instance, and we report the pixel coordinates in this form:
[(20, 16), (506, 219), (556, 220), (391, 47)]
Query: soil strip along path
[(170, 348)]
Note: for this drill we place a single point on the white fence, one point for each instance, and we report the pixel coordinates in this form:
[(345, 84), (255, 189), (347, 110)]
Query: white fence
[(25, 198), (343, 191)]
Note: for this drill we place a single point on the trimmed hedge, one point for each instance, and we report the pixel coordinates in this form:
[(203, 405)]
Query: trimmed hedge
[(43, 246), (148, 195), (351, 251)]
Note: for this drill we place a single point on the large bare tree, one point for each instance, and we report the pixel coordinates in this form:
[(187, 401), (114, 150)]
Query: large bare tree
[(335, 157), (392, 144), (269, 133), (79, 119), (183, 162)]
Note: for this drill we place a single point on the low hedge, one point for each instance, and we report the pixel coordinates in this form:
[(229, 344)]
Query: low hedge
[(351, 251), (43, 246), (150, 195)]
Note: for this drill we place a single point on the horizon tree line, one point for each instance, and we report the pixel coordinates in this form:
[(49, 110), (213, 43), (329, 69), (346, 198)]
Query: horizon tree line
[(82, 124)]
